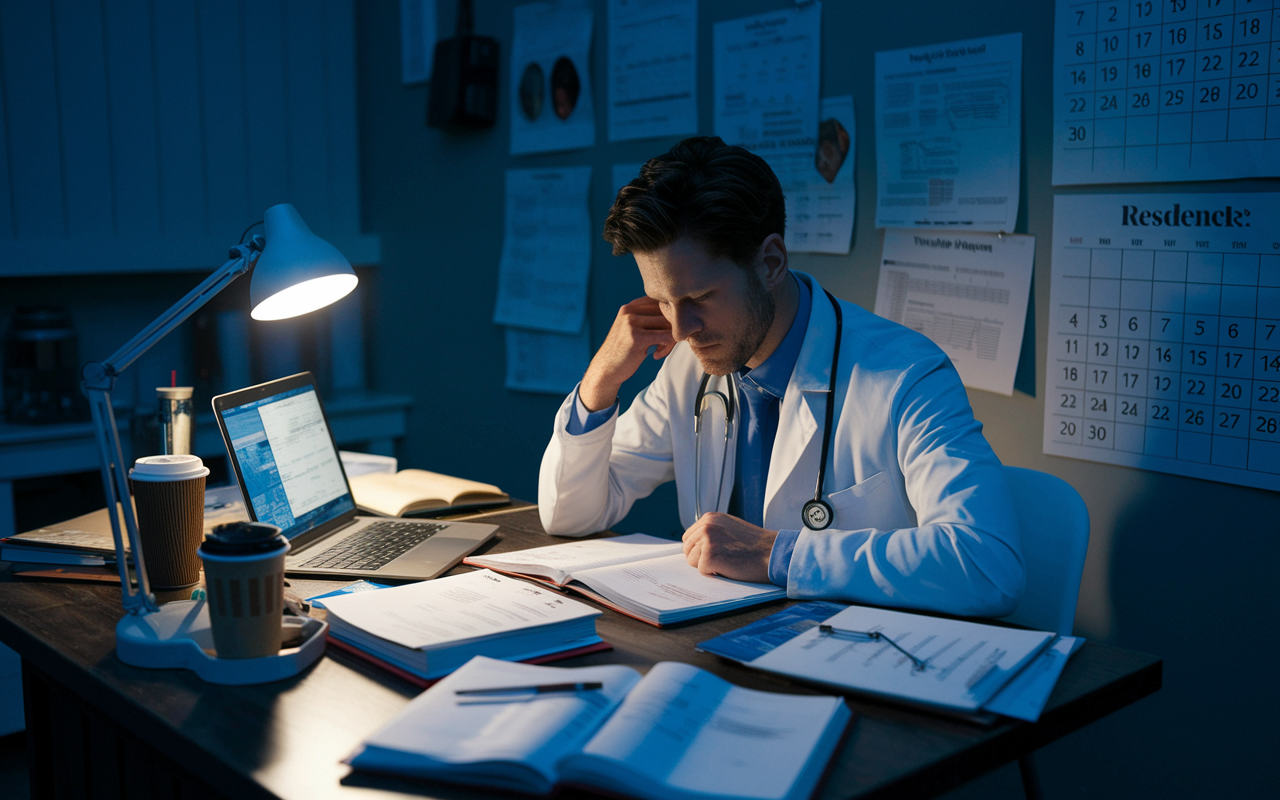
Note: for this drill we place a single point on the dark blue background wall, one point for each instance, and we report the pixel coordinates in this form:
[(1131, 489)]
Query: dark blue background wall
[(1177, 567)]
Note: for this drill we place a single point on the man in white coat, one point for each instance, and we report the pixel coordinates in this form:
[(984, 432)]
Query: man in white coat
[(916, 514)]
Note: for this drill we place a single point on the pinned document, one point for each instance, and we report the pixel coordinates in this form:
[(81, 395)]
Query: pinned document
[(968, 292), (551, 104), (546, 250), (949, 135), (818, 184), (653, 61)]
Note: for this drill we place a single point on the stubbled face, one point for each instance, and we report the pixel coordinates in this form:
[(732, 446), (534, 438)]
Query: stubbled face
[(722, 310)]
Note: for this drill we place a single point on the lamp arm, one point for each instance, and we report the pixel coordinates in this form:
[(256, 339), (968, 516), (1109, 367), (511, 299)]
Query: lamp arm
[(242, 258), (98, 379)]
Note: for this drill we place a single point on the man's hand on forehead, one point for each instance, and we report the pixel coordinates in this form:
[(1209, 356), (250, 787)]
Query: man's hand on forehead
[(638, 327)]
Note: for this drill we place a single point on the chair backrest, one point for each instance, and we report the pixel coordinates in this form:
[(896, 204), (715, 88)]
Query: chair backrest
[(1055, 537)]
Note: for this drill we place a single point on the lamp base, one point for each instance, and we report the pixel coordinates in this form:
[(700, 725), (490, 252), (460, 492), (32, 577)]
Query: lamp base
[(179, 636)]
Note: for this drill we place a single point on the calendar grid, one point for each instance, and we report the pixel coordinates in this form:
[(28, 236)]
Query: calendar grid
[(1151, 90), (1165, 349)]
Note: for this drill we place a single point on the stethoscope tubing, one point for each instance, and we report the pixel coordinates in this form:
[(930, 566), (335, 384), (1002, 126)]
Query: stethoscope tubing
[(817, 513)]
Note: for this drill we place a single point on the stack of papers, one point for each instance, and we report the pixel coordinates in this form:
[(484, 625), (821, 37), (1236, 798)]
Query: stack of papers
[(940, 663), (431, 628)]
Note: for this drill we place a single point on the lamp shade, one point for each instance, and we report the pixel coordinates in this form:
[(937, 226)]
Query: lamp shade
[(297, 271)]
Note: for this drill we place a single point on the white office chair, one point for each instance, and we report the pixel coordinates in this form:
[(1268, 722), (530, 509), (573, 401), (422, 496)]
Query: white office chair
[(1054, 524), (1055, 536)]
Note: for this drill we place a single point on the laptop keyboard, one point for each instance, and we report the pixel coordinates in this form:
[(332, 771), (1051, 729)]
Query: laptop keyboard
[(375, 546)]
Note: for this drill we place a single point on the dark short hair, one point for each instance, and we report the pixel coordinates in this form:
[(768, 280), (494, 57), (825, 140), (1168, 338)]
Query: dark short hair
[(723, 196)]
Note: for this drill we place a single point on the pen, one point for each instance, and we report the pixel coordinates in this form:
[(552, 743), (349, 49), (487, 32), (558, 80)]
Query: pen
[(540, 689), (872, 636)]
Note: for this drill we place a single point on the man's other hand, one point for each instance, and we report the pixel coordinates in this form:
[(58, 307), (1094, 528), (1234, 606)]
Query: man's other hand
[(718, 544), (638, 326)]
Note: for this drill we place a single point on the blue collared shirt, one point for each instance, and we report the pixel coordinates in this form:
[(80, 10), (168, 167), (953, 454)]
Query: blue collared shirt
[(760, 393)]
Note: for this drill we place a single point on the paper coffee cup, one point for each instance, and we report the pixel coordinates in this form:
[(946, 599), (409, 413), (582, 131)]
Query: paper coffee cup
[(168, 494), (244, 581)]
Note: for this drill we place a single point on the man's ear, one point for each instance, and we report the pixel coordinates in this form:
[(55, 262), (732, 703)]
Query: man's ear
[(773, 258)]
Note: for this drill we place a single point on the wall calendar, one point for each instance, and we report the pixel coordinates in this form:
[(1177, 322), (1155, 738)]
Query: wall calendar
[(1166, 90), (1164, 334)]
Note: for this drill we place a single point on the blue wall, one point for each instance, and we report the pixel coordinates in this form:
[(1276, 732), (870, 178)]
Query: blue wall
[(1177, 567)]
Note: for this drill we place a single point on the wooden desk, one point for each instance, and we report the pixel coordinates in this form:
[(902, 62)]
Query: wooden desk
[(93, 721)]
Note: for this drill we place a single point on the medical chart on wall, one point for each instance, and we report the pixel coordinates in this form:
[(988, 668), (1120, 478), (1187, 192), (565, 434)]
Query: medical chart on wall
[(552, 363), (551, 105), (967, 292), (653, 75), (1164, 334), (546, 250), (821, 199), (767, 80), (1174, 90), (949, 135)]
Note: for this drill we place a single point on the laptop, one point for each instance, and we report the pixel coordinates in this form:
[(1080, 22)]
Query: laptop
[(281, 449)]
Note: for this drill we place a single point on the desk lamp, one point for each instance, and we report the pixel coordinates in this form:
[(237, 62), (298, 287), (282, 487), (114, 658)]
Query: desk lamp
[(294, 272)]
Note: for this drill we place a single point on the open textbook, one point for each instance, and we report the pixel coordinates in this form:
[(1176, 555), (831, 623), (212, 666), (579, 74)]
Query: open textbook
[(431, 628), (679, 732), (639, 575), (414, 492)]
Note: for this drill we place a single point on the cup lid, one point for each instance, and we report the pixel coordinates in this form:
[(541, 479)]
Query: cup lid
[(174, 392), (168, 468), (242, 538)]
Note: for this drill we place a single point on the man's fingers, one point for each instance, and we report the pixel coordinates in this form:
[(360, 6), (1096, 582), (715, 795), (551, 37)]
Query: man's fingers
[(694, 554)]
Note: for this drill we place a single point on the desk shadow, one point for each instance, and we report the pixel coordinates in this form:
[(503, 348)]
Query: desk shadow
[(1192, 580)]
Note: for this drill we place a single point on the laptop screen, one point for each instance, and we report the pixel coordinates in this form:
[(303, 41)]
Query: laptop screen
[(290, 467)]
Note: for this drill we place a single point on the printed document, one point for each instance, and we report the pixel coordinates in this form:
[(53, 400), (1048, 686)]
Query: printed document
[(948, 135), (546, 250), (968, 292), (966, 663), (551, 106), (653, 60), (819, 184), (460, 608), (551, 363), (1026, 695), (767, 79)]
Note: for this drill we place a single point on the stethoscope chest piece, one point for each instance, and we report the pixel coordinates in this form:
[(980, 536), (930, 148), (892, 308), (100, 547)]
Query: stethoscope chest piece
[(817, 515)]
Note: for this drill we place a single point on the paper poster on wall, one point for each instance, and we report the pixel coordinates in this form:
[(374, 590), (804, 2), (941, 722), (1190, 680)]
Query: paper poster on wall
[(1165, 91), (551, 105), (653, 68), (821, 199), (967, 292), (767, 81), (546, 250), (1164, 334), (552, 363), (949, 135), (417, 40)]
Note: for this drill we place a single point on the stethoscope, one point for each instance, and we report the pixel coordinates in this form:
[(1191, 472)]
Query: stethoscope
[(817, 514)]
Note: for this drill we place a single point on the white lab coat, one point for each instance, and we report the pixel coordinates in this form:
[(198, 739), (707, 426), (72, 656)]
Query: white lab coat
[(923, 518)]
